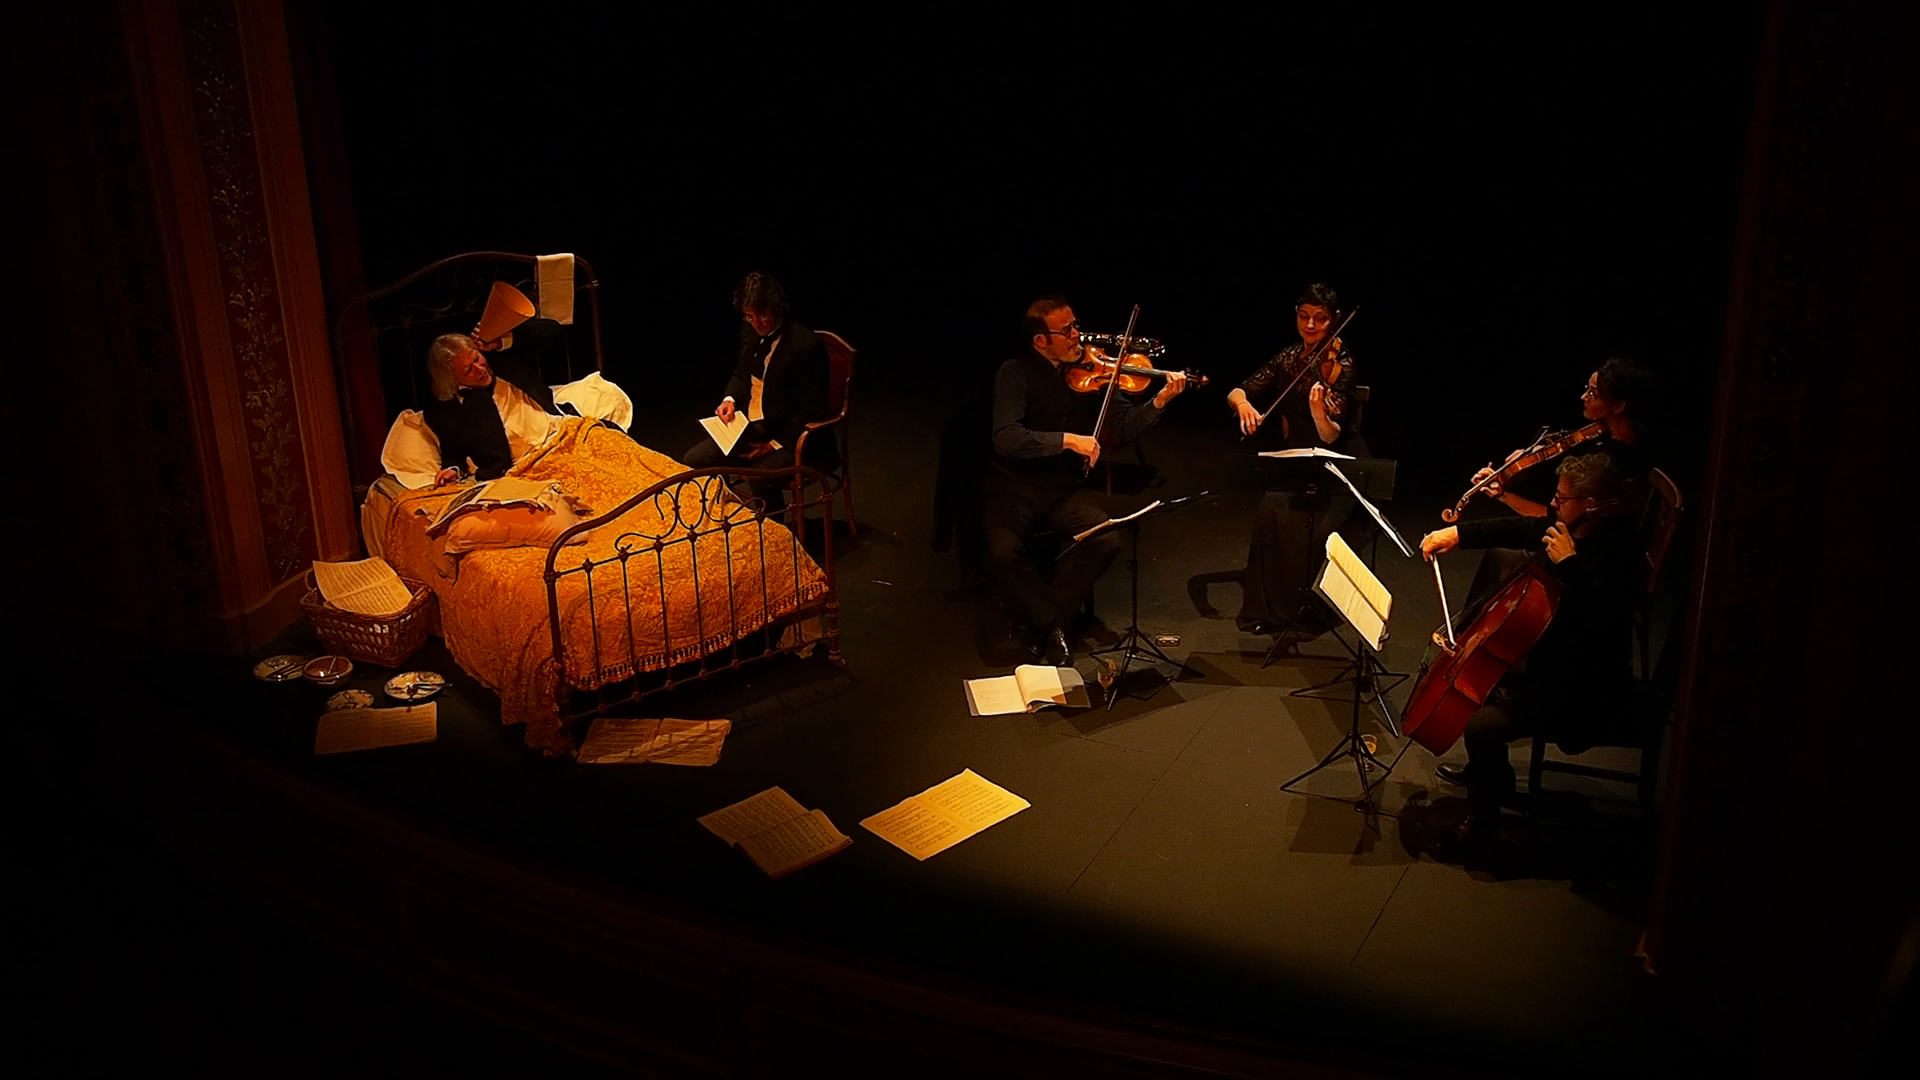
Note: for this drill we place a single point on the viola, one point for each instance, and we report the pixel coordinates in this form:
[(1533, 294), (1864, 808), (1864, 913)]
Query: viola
[(1135, 372), (1545, 448)]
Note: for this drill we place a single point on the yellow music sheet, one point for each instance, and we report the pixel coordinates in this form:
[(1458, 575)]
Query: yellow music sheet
[(945, 814), (366, 587), (369, 729), (1347, 584), (663, 741)]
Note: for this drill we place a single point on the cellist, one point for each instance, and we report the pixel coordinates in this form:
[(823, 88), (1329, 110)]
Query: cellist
[(1574, 686)]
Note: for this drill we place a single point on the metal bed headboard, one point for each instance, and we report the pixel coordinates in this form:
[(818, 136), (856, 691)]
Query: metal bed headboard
[(396, 323)]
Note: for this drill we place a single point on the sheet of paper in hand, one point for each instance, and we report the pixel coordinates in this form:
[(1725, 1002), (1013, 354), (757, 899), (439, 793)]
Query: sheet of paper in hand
[(725, 435), (1029, 689)]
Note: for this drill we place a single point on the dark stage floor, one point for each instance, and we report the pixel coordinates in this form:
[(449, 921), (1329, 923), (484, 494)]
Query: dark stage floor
[(1160, 870)]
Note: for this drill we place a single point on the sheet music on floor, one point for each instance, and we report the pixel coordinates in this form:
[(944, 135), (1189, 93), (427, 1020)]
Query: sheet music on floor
[(725, 434), (663, 741), (776, 832), (945, 814), (1392, 533), (365, 587), (369, 729), (1030, 688), (1346, 583)]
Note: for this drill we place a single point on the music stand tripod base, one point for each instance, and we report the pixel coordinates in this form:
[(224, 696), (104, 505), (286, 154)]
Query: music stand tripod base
[(1134, 643), (1350, 588)]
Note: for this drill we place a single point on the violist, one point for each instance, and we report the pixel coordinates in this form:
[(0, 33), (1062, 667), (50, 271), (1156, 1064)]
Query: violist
[(1043, 444)]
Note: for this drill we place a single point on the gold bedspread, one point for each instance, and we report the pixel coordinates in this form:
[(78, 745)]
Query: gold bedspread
[(493, 611)]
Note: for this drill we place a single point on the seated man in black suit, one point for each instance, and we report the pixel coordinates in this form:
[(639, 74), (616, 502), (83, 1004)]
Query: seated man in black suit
[(1043, 444), (491, 405), (780, 383)]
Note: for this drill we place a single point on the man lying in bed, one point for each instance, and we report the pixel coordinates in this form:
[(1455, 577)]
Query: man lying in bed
[(492, 409)]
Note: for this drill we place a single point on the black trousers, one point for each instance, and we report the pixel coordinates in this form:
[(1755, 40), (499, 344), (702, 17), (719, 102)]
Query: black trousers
[(1013, 515), (1286, 549), (1490, 730), (706, 454)]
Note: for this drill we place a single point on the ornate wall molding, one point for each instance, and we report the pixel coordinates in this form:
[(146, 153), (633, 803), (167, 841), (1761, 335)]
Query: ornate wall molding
[(222, 135)]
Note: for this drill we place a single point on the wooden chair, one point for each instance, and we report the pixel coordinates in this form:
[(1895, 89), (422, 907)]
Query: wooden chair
[(840, 366), (1653, 693)]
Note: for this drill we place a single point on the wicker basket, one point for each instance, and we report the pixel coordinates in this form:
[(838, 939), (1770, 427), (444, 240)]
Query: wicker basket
[(386, 640)]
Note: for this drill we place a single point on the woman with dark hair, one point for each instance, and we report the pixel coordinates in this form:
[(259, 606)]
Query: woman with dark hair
[(1290, 528), (1617, 395)]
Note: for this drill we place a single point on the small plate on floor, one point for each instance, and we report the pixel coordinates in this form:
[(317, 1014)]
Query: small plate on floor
[(349, 699), (415, 685), (283, 668)]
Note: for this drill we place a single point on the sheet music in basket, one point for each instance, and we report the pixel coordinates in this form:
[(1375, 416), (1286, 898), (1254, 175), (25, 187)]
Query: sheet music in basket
[(776, 832), (365, 587)]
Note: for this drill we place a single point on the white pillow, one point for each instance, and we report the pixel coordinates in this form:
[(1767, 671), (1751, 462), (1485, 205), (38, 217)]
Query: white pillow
[(597, 398), (412, 453)]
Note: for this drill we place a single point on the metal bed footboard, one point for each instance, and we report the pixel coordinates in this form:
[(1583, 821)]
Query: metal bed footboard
[(643, 552)]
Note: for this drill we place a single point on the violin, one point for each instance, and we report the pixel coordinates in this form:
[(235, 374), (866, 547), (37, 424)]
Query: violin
[(1546, 447), (1322, 359), (1135, 371)]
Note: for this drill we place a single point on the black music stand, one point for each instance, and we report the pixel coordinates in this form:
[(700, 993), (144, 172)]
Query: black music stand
[(1364, 477), (1336, 584), (1134, 643)]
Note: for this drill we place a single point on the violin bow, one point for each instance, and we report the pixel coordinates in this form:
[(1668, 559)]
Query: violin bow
[(1313, 360), (1113, 384)]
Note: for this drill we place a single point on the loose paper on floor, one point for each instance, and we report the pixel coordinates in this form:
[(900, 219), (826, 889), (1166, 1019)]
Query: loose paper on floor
[(945, 814), (1029, 688), (725, 434), (368, 729), (366, 587), (762, 812), (777, 833), (664, 741)]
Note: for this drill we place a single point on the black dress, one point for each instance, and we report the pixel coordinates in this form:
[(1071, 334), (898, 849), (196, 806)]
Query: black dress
[(1290, 527)]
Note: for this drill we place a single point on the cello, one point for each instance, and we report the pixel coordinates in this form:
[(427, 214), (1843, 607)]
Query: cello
[(1458, 674), (1453, 684)]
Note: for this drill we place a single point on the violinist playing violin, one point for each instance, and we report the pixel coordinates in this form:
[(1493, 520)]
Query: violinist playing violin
[(1615, 400), (1615, 397), (1574, 685), (1290, 529), (1044, 442)]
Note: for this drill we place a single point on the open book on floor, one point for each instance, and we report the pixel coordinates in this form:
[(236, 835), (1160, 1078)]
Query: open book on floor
[(1029, 689), (777, 833)]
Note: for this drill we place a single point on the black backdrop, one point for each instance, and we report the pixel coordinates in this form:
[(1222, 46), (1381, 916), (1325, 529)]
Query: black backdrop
[(1507, 201)]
